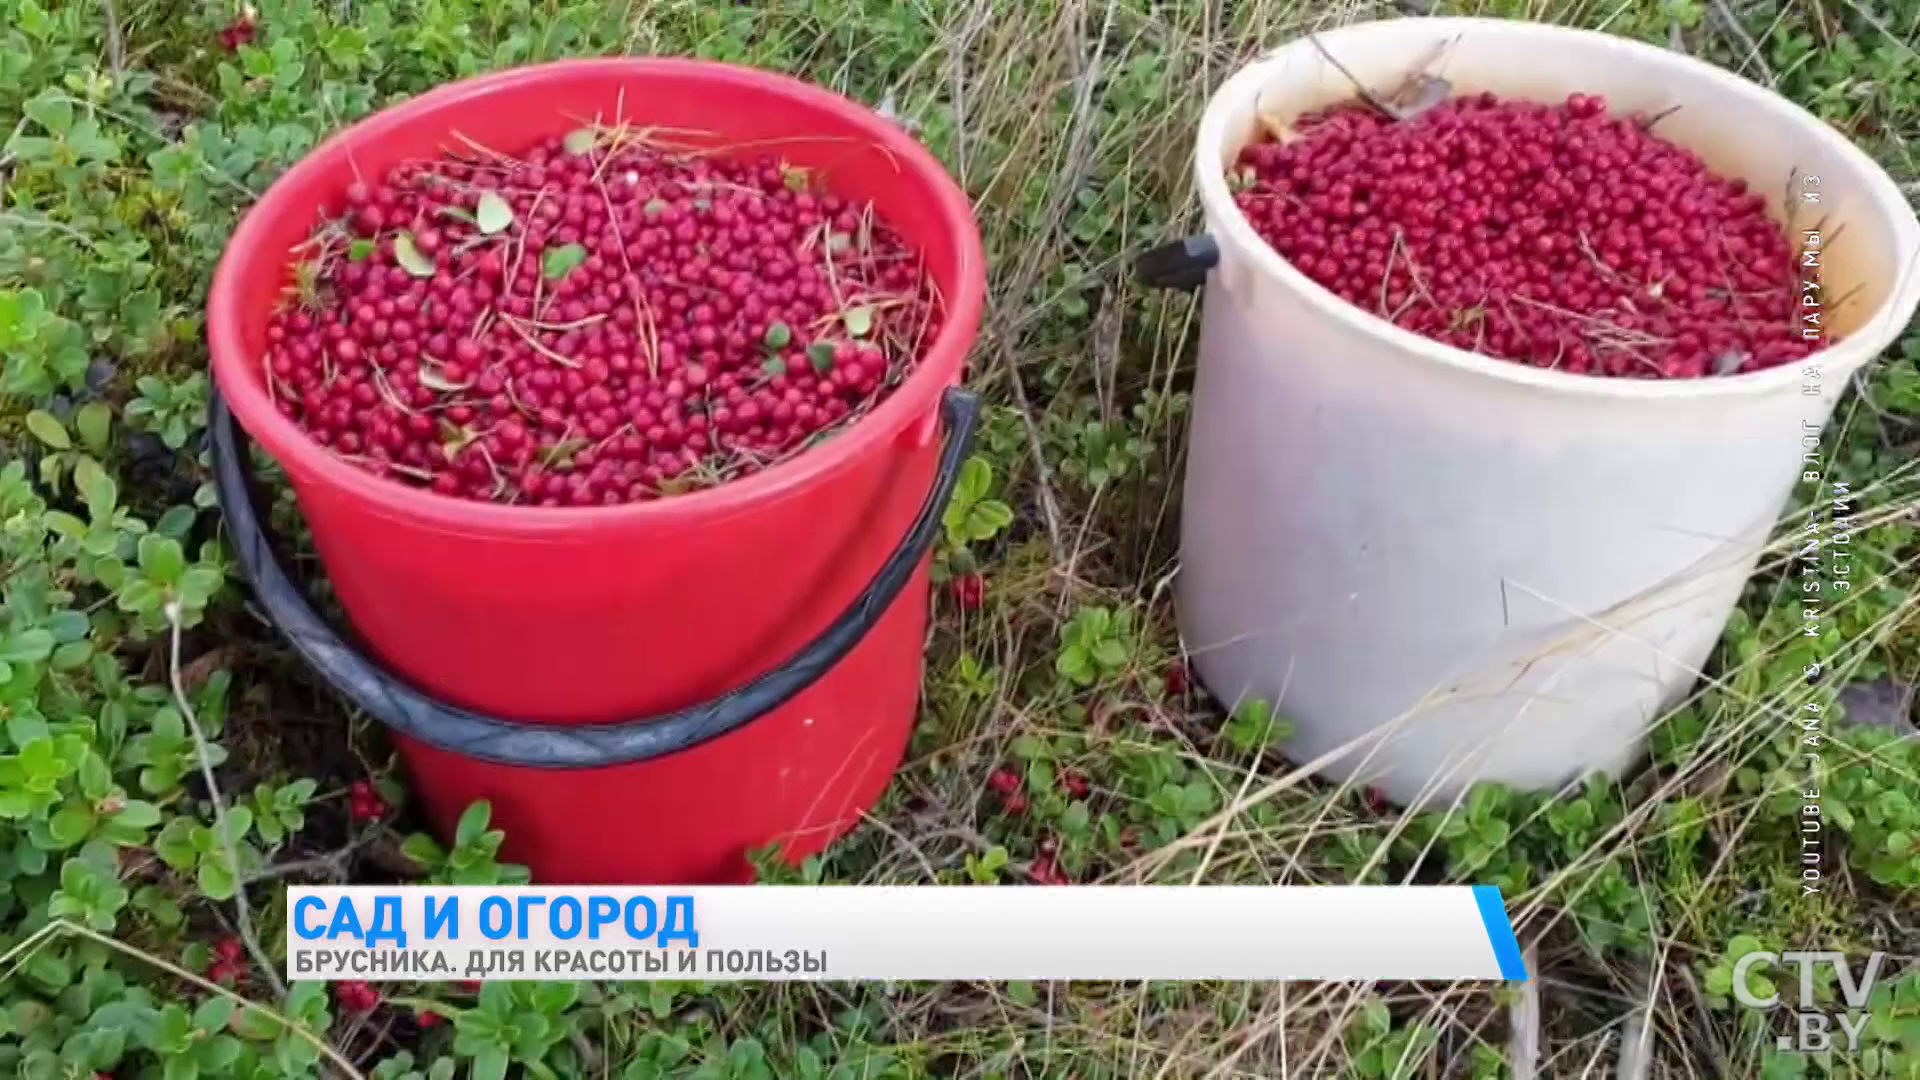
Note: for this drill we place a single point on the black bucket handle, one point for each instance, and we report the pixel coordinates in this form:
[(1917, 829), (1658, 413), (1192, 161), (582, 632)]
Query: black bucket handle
[(418, 715)]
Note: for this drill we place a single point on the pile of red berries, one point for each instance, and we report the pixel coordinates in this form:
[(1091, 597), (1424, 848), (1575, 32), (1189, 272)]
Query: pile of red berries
[(600, 321), (1558, 236)]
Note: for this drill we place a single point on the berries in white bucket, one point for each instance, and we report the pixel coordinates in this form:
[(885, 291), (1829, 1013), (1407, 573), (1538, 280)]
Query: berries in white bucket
[(1559, 236)]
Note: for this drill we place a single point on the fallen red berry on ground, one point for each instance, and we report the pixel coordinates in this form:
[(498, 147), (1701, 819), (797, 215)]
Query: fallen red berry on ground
[(1177, 678), (1004, 780), (969, 591), (1044, 870), (595, 321), (1555, 236), (240, 31), (1075, 783)]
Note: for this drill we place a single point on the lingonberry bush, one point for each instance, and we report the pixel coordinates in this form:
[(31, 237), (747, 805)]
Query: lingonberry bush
[(166, 768), (603, 319), (1558, 236)]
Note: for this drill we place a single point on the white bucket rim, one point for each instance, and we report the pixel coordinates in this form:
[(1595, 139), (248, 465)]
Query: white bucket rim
[(1848, 355)]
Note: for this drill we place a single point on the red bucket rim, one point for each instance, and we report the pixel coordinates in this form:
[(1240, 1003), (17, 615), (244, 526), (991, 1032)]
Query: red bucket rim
[(305, 458)]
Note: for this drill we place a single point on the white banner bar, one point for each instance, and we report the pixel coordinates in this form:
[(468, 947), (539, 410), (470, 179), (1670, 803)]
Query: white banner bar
[(425, 934)]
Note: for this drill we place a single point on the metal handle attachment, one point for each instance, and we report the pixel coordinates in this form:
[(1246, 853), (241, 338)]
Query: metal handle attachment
[(1182, 264)]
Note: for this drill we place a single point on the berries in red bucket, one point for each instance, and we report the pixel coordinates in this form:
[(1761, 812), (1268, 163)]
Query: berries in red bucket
[(605, 318), (1558, 236), (539, 617)]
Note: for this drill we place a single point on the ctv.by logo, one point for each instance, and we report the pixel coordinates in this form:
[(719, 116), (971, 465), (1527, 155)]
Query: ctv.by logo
[(1813, 1028)]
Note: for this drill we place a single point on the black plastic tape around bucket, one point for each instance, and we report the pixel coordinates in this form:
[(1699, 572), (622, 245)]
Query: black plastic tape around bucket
[(416, 714), (1182, 264)]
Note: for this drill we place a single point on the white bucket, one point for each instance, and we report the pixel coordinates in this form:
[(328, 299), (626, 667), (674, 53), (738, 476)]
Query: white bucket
[(1499, 572)]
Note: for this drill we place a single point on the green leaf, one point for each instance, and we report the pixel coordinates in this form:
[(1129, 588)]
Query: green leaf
[(71, 823), (820, 355), (26, 647), (215, 879), (48, 430), (579, 140), (859, 320), (213, 1014), (556, 263), (137, 814), (94, 778), (177, 522), (778, 336), (161, 559), (473, 824), (774, 365), (492, 214), (94, 422), (53, 113), (555, 998), (99, 489), (361, 250), (64, 524), (976, 478), (409, 256), (654, 207)]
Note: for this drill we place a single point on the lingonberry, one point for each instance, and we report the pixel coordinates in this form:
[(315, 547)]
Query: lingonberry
[(365, 803), (1558, 236), (1075, 783), (1003, 781), (355, 996), (969, 591), (1045, 870), (595, 322), (1177, 678), (229, 961), (240, 31)]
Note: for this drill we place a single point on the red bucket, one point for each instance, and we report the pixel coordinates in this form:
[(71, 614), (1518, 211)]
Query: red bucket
[(644, 692)]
